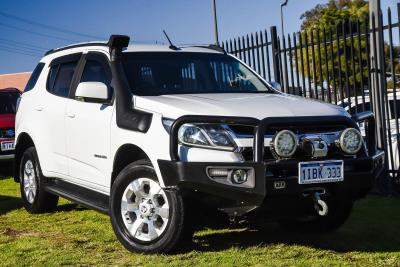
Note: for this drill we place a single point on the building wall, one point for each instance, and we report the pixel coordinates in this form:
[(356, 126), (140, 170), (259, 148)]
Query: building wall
[(16, 80)]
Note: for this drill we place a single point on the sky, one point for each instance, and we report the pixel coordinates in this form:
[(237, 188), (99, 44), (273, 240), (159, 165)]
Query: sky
[(28, 28)]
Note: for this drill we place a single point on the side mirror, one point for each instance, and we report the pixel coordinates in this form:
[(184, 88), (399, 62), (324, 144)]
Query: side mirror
[(275, 85), (92, 91)]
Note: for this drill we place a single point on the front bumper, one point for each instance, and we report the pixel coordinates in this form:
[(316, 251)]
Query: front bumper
[(191, 177), (273, 179)]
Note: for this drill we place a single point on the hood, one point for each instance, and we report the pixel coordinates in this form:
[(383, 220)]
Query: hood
[(255, 105), (7, 121)]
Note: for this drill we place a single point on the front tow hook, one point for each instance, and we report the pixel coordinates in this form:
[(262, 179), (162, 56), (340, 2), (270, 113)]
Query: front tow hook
[(320, 206)]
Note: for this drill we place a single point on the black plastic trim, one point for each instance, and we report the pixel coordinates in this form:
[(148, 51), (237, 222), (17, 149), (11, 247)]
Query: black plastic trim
[(192, 177), (126, 115), (86, 197), (369, 117), (52, 51), (66, 59)]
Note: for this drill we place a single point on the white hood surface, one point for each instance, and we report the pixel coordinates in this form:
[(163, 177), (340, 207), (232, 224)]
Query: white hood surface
[(255, 105)]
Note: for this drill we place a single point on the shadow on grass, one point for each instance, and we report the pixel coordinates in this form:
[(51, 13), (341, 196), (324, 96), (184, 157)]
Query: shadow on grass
[(370, 229), (70, 207), (6, 170), (8, 204)]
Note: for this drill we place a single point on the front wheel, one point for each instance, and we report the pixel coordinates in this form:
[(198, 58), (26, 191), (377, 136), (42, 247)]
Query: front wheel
[(338, 213), (145, 217)]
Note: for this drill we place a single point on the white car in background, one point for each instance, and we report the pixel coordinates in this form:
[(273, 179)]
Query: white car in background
[(364, 104)]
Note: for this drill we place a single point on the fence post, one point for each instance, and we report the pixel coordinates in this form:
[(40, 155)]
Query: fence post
[(275, 54), (378, 83)]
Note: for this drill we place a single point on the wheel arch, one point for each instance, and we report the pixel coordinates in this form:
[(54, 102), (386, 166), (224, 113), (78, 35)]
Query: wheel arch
[(125, 155), (24, 141)]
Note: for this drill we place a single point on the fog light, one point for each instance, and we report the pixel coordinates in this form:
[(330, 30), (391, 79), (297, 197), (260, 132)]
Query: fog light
[(239, 176), (218, 172)]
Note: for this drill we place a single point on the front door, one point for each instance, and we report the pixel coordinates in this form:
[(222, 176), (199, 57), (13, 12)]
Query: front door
[(88, 128)]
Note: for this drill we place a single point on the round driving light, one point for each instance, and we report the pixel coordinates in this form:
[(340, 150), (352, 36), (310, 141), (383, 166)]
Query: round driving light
[(239, 176), (285, 143), (351, 141)]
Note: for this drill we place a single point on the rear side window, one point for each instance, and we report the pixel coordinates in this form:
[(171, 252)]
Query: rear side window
[(60, 78), (34, 77), (52, 76)]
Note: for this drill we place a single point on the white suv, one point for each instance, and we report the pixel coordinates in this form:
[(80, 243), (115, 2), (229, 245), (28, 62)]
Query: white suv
[(157, 136)]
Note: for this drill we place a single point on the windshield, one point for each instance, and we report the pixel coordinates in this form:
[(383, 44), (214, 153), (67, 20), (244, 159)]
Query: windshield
[(165, 73), (8, 102)]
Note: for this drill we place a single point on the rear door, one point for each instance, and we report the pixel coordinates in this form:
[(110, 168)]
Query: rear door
[(51, 113), (88, 127)]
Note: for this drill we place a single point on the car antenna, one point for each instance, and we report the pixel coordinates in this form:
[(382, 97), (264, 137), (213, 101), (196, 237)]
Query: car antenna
[(171, 45)]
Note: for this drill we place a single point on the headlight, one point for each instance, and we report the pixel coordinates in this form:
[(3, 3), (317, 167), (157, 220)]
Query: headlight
[(206, 136), (285, 143), (350, 141)]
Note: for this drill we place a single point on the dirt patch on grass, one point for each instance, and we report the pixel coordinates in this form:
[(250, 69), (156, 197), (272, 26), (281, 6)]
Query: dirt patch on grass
[(18, 233)]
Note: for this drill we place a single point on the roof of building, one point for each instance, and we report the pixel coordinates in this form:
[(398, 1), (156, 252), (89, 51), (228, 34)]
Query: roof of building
[(14, 80)]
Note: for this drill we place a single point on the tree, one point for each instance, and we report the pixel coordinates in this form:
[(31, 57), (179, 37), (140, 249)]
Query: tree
[(337, 18), (333, 13)]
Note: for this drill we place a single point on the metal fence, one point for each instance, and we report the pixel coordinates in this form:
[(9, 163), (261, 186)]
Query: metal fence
[(339, 65)]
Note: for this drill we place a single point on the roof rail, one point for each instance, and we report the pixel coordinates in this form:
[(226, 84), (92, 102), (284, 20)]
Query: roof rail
[(212, 47), (123, 40), (75, 46)]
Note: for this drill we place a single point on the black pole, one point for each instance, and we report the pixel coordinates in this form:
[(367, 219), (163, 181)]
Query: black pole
[(275, 54)]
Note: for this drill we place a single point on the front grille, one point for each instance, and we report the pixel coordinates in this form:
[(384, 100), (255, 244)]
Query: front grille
[(333, 153), (249, 130)]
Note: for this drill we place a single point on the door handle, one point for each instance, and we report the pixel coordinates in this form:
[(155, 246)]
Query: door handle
[(70, 115), (39, 108)]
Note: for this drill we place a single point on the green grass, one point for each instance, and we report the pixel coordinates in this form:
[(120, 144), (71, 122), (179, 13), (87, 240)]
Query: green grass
[(77, 236)]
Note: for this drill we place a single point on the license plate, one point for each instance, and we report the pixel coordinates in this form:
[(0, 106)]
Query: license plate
[(7, 146), (320, 172)]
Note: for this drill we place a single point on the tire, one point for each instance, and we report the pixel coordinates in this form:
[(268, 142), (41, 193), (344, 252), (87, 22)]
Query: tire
[(135, 227), (338, 213), (32, 183)]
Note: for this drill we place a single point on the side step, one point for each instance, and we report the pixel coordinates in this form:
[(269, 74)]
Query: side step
[(78, 194)]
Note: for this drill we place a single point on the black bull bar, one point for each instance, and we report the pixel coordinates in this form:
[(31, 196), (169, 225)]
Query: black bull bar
[(192, 176), (262, 126)]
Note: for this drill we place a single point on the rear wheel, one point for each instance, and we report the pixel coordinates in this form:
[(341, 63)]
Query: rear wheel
[(338, 213), (145, 217), (34, 198)]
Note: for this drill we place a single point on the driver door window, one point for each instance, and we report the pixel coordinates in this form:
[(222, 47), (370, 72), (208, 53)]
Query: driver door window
[(97, 71)]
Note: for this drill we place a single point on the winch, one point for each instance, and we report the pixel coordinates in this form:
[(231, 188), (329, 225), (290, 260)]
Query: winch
[(314, 146)]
